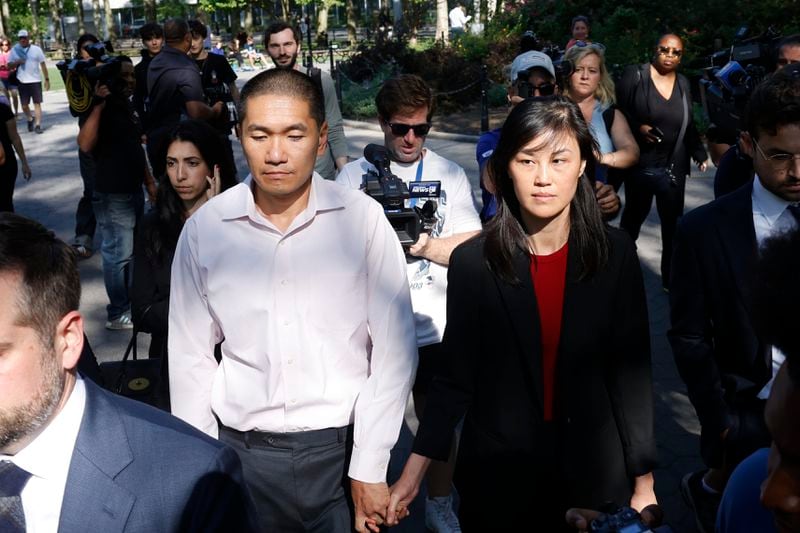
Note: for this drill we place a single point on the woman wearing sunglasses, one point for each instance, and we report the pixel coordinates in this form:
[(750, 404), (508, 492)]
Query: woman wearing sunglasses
[(546, 348), (591, 87), (8, 77), (656, 102)]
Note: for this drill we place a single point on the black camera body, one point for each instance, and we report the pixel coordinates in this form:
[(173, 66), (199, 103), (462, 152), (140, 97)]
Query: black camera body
[(624, 520), (81, 75), (733, 74), (392, 192), (219, 92)]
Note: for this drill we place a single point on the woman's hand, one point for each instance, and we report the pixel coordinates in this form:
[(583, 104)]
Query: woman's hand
[(702, 165), (644, 131), (214, 184), (403, 492), (26, 171)]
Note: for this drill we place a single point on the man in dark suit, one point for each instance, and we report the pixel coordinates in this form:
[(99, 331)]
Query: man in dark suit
[(72, 456), (727, 368)]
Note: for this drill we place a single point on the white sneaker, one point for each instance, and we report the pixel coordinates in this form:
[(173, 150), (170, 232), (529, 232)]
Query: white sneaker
[(439, 515), (123, 321)]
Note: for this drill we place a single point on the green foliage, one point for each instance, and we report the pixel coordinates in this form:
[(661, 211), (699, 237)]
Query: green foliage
[(172, 8), (358, 99), (498, 95)]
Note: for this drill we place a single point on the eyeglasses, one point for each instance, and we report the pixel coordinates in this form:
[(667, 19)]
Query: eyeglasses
[(780, 161), (586, 44), (526, 90), (401, 130), (667, 51)]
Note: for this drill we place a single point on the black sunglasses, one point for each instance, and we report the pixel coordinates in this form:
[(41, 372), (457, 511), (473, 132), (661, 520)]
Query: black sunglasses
[(665, 50), (401, 130), (526, 90)]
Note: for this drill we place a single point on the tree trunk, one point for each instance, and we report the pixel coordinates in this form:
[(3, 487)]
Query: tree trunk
[(351, 23), (111, 35), (81, 15), (285, 10), (96, 16), (322, 18), (55, 16), (6, 14), (3, 22), (150, 10), (442, 27), (35, 23), (476, 9), (248, 17), (491, 8)]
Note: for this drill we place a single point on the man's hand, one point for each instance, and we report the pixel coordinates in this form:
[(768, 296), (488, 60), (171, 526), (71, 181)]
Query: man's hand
[(419, 248), (370, 501), (402, 494), (47, 84), (702, 165), (607, 199), (101, 92), (26, 171)]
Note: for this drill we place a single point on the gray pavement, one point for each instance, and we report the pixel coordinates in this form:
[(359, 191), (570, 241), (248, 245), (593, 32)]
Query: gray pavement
[(52, 195)]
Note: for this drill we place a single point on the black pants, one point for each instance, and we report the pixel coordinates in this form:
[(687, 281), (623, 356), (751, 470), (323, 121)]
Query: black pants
[(298, 480), (7, 182), (85, 223), (669, 203)]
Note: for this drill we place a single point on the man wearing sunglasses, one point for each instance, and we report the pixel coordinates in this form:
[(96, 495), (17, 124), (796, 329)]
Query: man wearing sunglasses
[(405, 106), (532, 75), (728, 368)]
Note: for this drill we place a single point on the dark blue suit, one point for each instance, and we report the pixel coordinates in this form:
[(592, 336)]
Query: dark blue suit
[(135, 468)]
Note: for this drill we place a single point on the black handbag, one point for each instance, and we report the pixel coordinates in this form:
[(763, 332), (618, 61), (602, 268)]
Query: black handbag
[(144, 380)]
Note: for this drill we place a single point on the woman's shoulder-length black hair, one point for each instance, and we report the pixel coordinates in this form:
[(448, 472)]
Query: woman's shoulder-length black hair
[(550, 119), (169, 207)]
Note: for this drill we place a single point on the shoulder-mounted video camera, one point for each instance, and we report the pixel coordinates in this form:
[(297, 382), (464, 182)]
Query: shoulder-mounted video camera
[(732, 74), (392, 192), (81, 75)]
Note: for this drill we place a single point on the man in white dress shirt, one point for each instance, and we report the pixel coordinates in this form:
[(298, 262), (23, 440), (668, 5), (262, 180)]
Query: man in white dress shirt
[(74, 457), (728, 368), (303, 281)]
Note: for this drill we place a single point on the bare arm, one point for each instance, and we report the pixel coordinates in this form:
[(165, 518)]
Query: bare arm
[(627, 151), (45, 76), (438, 250), (13, 134)]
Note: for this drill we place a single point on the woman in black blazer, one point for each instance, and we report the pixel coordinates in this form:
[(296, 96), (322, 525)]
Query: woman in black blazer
[(197, 168), (547, 345)]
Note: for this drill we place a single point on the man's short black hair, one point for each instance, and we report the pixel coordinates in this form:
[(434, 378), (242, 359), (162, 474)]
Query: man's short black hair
[(151, 30), (50, 285), (175, 30), (404, 94), (286, 82), (776, 295), (775, 102), (277, 27), (198, 29)]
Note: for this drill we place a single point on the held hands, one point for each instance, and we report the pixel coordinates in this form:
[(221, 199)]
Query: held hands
[(214, 184), (370, 501)]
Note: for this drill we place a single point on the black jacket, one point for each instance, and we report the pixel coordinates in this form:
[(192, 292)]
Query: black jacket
[(718, 354), (603, 433)]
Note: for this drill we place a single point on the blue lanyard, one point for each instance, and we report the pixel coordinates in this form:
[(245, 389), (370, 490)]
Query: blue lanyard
[(413, 202)]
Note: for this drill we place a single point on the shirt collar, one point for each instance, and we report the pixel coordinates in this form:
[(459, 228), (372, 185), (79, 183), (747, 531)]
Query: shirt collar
[(49, 455), (324, 196), (766, 203)]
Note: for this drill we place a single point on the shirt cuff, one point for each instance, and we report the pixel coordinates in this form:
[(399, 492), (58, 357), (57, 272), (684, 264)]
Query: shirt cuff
[(369, 466)]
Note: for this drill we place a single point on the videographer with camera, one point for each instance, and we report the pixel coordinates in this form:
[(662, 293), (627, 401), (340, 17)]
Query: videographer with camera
[(405, 107), (218, 80), (112, 135), (175, 90)]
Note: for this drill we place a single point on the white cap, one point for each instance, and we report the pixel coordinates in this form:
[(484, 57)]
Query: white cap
[(22, 33), (528, 60)]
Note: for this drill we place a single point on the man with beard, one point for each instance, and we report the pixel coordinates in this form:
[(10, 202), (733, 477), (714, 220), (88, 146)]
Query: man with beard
[(283, 46), (72, 456)]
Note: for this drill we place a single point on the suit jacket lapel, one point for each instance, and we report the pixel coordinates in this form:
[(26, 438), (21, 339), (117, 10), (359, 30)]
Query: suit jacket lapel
[(523, 315), (93, 501)]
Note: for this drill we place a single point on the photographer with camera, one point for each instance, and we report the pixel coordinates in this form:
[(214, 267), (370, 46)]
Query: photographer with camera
[(112, 135), (405, 107), (218, 80), (175, 90)]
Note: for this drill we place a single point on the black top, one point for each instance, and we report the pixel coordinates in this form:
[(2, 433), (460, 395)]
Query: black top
[(491, 375), (172, 80), (733, 171), (140, 93), (214, 71), (641, 103), (11, 161), (118, 153)]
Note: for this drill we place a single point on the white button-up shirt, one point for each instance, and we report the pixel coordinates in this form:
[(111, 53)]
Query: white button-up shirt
[(770, 218), (317, 322), (47, 458)]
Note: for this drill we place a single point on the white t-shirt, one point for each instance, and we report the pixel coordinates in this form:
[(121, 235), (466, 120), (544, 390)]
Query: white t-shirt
[(457, 18), (30, 71), (456, 213)]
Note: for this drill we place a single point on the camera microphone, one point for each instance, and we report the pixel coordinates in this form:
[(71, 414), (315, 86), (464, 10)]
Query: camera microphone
[(378, 156)]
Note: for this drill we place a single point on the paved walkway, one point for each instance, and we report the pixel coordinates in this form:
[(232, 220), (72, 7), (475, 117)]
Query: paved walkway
[(53, 193)]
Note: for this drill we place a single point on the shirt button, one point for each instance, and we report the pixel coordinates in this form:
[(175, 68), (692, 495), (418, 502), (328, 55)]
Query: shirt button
[(294, 400), (290, 361), (285, 322), (284, 282)]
